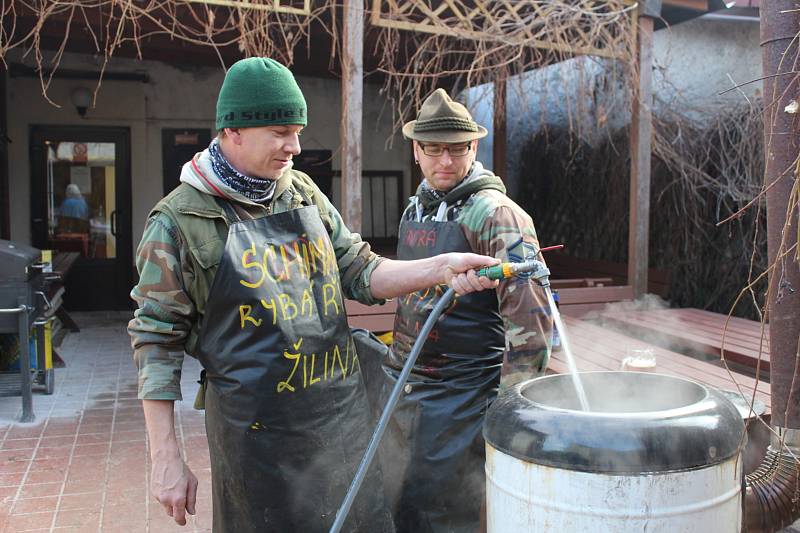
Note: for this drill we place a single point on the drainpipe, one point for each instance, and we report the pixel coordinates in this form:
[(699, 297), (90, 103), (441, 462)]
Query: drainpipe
[(772, 492)]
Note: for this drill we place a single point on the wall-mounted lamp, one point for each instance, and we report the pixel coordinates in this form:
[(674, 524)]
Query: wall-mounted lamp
[(81, 98)]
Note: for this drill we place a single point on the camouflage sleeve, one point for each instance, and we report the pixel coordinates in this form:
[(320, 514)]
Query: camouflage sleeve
[(355, 258), (165, 312), (507, 233)]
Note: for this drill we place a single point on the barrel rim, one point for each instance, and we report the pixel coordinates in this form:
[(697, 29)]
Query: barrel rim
[(707, 434)]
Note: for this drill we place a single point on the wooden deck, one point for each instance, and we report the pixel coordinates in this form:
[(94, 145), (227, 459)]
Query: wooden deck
[(598, 348), (740, 340)]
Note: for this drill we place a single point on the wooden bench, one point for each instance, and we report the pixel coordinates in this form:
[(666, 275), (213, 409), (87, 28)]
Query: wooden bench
[(578, 301), (739, 340), (375, 318), (575, 283), (598, 348), (565, 266)]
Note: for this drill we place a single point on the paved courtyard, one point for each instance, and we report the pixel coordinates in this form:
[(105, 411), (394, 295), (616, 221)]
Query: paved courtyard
[(83, 465)]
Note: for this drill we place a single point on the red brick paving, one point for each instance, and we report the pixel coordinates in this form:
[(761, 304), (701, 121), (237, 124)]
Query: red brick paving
[(83, 465)]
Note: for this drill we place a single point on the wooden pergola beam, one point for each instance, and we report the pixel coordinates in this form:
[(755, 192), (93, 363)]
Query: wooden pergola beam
[(269, 5), (640, 150), (500, 141), (433, 25), (352, 104)]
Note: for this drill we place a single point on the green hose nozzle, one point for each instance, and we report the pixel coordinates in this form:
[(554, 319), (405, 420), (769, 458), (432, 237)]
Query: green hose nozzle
[(538, 271)]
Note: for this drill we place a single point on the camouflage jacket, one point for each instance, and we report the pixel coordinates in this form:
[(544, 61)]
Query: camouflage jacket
[(177, 259), (496, 226)]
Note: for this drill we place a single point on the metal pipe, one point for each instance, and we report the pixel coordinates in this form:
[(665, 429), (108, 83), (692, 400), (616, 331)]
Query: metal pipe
[(26, 384), (772, 491), (735, 18)]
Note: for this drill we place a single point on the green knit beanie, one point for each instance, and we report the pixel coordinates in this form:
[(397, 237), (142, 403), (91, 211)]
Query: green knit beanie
[(259, 91)]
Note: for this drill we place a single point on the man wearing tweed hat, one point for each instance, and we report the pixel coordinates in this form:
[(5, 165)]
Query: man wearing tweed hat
[(486, 340), (245, 266)]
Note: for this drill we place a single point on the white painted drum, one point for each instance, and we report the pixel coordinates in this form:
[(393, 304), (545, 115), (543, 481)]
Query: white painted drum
[(658, 454), (526, 497)]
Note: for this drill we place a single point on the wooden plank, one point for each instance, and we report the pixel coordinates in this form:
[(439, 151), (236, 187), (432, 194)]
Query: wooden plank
[(640, 146), (586, 295), (357, 308), (260, 6), (580, 282), (581, 310), (747, 336), (377, 318), (352, 103), (701, 332)]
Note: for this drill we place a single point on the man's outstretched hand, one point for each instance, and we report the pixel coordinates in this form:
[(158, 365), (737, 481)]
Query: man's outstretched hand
[(459, 272)]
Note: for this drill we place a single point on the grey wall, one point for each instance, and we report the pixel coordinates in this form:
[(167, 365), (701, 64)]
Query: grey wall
[(173, 98)]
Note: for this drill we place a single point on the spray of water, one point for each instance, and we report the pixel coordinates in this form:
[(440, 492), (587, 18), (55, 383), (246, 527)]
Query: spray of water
[(573, 370)]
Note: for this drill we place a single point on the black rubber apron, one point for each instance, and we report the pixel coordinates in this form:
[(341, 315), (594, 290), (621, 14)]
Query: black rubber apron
[(437, 425), (286, 411)]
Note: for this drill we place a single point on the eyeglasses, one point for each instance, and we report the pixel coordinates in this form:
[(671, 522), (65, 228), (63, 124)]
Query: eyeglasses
[(435, 150)]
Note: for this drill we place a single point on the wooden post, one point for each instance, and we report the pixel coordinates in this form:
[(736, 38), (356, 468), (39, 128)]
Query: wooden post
[(499, 126), (5, 200), (352, 100), (640, 138)]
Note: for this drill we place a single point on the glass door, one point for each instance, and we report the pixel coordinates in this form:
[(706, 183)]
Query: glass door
[(81, 206)]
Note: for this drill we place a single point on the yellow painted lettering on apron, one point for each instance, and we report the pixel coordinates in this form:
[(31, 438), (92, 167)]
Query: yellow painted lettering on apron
[(337, 354), (283, 385), (290, 257), (288, 307), (244, 315), (311, 380), (309, 264), (252, 264), (271, 265), (355, 360), (329, 298), (316, 254), (307, 301), (270, 306)]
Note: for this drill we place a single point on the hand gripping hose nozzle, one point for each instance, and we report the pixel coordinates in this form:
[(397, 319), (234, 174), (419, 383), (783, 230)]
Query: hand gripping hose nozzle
[(539, 272)]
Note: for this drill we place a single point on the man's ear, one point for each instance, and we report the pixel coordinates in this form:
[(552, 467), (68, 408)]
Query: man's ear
[(474, 146), (415, 146), (234, 135)]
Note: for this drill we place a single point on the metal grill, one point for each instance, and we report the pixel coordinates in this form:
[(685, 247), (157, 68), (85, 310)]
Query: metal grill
[(22, 300)]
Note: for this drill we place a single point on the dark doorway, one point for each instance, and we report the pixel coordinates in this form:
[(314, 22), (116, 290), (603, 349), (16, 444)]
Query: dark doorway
[(177, 147), (81, 204)]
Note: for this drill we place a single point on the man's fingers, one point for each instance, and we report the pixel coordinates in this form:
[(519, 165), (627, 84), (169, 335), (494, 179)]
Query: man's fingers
[(167, 509), (487, 283), (179, 511), (473, 281), (457, 282), (191, 495)]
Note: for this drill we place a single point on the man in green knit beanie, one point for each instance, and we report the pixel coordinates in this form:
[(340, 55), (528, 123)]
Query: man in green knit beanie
[(245, 266)]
